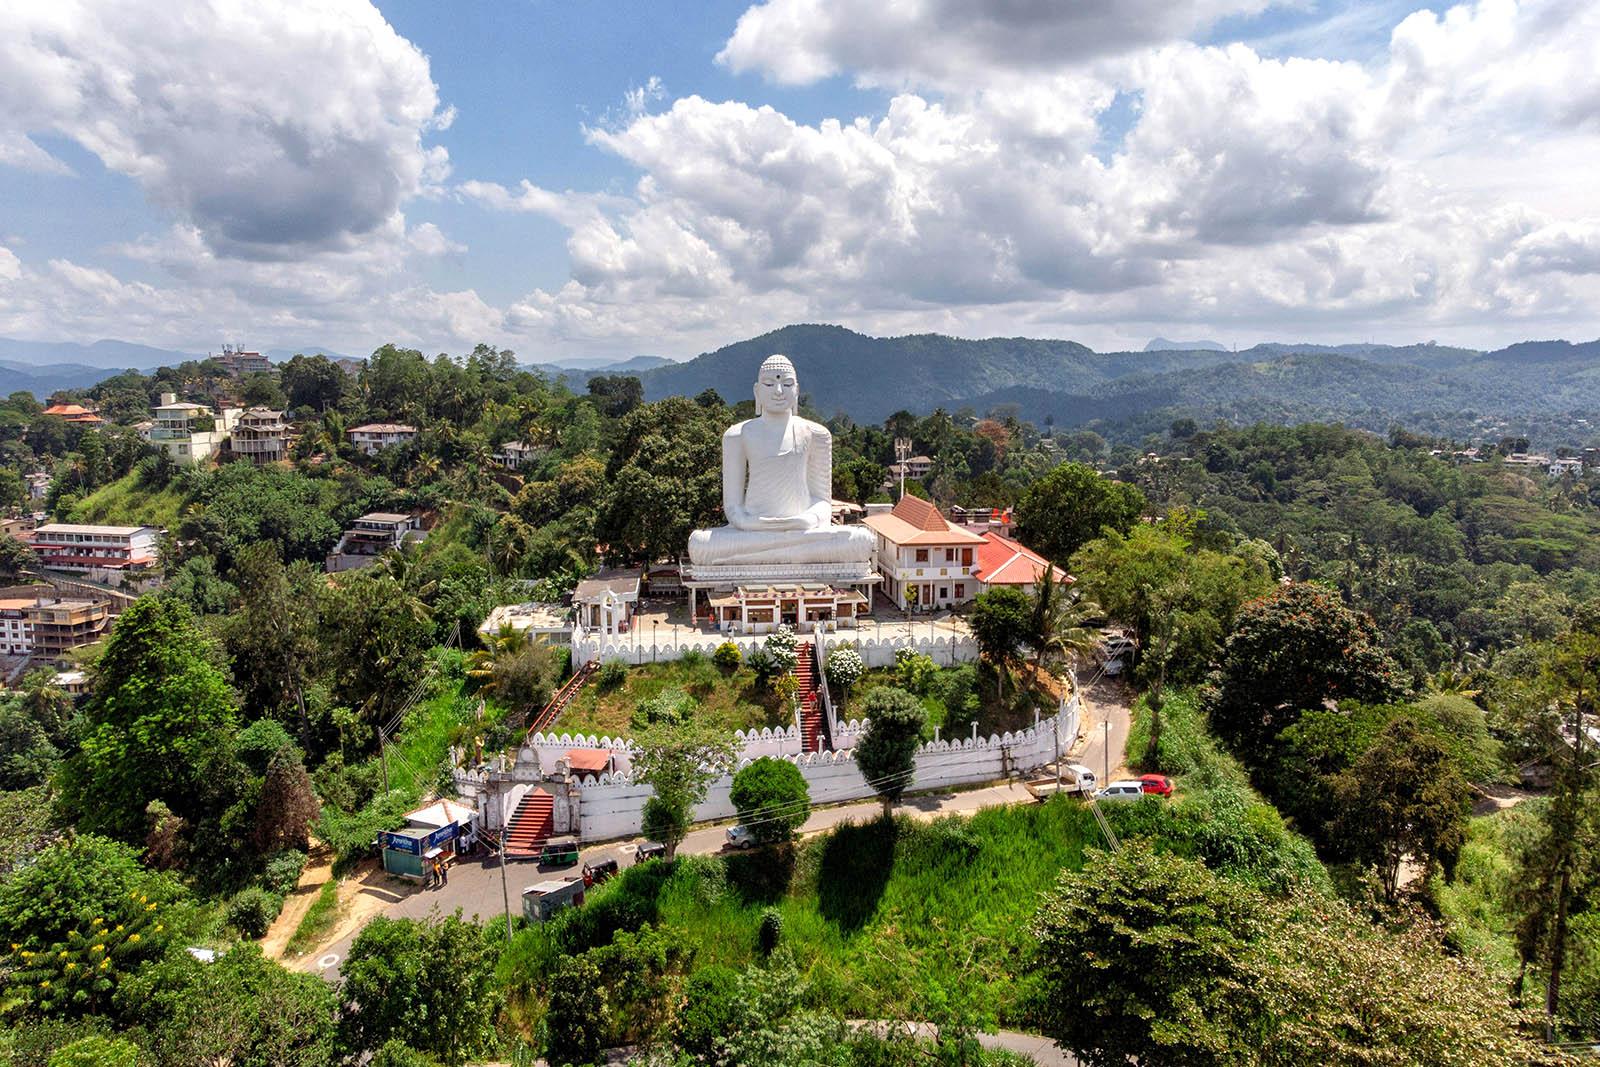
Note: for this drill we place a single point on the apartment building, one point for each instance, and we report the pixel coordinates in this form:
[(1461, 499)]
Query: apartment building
[(105, 554), (48, 626), (239, 362)]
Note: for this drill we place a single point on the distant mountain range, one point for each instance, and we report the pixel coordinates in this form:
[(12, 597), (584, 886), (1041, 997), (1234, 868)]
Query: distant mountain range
[(1548, 390)]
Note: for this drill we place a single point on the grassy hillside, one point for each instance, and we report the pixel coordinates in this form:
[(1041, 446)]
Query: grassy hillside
[(125, 503)]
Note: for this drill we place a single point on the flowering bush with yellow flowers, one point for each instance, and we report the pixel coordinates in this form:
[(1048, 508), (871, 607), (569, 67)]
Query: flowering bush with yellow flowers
[(78, 975)]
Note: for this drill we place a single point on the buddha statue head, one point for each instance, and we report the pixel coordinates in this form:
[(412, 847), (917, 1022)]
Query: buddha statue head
[(777, 387)]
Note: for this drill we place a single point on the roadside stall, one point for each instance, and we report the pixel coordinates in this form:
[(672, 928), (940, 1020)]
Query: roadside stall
[(407, 852)]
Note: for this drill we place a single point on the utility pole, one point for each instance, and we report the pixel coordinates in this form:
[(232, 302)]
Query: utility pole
[(505, 893), (383, 755), (902, 452), (1056, 723), (1106, 726)]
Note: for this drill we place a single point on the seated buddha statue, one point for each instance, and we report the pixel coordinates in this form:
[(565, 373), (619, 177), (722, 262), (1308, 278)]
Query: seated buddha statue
[(777, 487)]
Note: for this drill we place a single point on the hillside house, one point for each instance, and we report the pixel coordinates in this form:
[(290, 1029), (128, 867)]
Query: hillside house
[(261, 436), (190, 433), (374, 437), (371, 536)]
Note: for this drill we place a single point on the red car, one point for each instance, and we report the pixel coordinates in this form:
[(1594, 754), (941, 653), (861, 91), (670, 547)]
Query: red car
[(1159, 784)]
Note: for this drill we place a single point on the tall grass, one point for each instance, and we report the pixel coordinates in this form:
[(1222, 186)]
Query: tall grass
[(878, 915), (125, 501), (316, 922)]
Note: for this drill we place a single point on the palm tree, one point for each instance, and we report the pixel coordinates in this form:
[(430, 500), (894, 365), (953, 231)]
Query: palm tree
[(1061, 621)]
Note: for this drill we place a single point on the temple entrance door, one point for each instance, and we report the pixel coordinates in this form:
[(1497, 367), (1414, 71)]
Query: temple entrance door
[(790, 613)]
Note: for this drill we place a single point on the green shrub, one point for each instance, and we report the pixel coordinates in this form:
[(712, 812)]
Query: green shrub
[(252, 910), (770, 932), (613, 672), (353, 837), (692, 658), (97, 1052), (709, 1011), (396, 1053), (727, 656), (283, 871)]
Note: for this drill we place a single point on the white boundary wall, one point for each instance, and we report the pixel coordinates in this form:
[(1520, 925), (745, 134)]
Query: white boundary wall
[(612, 805), (876, 651)]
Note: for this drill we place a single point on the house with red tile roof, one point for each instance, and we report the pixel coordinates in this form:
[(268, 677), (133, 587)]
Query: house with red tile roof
[(73, 413), (926, 560), (1005, 561)]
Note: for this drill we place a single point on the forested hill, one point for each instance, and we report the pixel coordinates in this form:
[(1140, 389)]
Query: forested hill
[(1538, 388)]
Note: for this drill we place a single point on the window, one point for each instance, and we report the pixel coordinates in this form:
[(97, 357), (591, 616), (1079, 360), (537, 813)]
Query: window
[(949, 555), (922, 555), (944, 592)]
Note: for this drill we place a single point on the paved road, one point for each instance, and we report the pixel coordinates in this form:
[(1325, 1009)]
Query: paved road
[(476, 885)]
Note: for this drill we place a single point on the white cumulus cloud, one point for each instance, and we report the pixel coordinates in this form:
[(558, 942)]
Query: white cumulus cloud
[(274, 129)]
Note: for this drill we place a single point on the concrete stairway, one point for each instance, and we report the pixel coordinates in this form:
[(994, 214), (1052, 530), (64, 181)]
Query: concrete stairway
[(805, 672), (530, 824), (563, 697)]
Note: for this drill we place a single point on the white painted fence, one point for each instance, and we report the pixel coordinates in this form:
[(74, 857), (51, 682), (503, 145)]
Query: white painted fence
[(877, 644)]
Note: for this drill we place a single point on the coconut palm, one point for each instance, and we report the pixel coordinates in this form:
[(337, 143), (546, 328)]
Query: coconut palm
[(1060, 625)]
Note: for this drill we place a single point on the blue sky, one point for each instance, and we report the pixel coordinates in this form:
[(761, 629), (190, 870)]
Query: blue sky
[(604, 180)]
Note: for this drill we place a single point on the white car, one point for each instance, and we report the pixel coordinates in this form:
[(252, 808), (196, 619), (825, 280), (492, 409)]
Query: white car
[(1126, 789), (741, 836)]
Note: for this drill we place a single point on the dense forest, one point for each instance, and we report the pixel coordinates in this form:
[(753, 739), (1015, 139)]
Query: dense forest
[(1344, 640)]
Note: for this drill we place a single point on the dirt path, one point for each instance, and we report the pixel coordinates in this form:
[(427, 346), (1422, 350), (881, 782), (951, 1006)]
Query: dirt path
[(366, 893), (319, 868)]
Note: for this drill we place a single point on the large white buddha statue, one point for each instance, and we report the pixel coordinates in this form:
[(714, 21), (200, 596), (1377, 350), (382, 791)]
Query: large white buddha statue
[(777, 487)]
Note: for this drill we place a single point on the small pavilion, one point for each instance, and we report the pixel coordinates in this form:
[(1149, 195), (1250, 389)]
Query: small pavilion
[(762, 608)]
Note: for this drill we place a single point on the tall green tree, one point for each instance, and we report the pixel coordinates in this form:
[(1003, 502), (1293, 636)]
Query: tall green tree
[(1403, 798), (887, 752), (159, 725), (1070, 506), (679, 758), (1294, 649), (1558, 868)]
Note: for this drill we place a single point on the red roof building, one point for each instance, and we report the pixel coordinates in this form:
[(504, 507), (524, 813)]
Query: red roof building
[(73, 413), (926, 561), (1005, 561)]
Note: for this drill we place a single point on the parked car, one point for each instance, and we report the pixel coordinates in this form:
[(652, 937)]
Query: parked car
[(741, 836), (650, 850), (559, 852), (1126, 789), (1157, 784)]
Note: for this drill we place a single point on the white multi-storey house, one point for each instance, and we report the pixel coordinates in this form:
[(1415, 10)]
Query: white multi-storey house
[(374, 437), (190, 433), (926, 561)]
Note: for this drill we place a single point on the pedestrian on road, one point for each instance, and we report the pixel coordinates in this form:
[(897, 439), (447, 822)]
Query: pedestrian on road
[(444, 873)]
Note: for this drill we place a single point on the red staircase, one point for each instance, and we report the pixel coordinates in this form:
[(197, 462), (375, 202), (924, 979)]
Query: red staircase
[(563, 697), (530, 824), (805, 672)]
